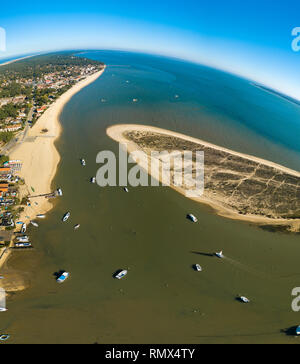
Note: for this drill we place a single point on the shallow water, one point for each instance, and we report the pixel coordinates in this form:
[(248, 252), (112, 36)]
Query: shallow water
[(162, 300)]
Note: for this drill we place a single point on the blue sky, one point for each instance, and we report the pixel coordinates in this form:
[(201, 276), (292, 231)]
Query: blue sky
[(249, 38)]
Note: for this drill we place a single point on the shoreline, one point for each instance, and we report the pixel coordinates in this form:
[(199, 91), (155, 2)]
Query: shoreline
[(18, 59), (115, 132), (40, 157)]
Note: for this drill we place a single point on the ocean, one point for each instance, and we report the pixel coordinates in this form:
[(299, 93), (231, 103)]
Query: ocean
[(162, 299)]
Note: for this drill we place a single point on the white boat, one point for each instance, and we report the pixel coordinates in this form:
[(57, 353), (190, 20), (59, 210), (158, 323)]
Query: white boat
[(76, 226), (2, 300), (220, 254), (24, 228), (34, 223), (121, 274), (23, 245), (198, 268), (66, 216), (4, 337), (62, 278), (126, 189), (135, 100), (59, 192), (41, 216), (93, 180), (192, 217), (83, 162), (23, 239), (243, 299)]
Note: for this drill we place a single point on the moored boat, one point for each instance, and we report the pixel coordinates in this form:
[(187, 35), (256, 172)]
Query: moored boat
[(83, 162), (192, 217), (23, 245), (66, 216), (198, 267), (126, 189), (76, 226), (62, 277), (4, 337), (93, 180), (41, 216), (243, 299), (34, 223), (297, 330), (23, 239), (59, 192), (121, 274), (24, 228)]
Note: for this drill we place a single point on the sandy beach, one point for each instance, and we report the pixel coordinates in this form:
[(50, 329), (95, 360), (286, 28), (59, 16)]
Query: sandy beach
[(116, 133), (39, 156), (17, 59)]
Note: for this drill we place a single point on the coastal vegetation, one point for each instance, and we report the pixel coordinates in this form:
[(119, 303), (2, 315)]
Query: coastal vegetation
[(29, 86), (236, 185)]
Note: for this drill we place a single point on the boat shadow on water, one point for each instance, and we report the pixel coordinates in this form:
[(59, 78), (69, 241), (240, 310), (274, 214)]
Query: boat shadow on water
[(203, 254), (291, 331)]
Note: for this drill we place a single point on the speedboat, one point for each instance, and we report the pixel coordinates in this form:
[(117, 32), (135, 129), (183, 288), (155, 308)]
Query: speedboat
[(76, 226), (126, 189), (121, 274), (243, 299), (34, 223), (83, 162), (93, 180), (41, 216), (4, 337), (198, 268), (66, 216), (192, 217), (63, 277), (24, 228), (219, 254)]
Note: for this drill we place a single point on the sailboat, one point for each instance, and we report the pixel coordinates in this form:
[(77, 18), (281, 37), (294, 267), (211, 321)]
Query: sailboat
[(220, 254), (2, 300)]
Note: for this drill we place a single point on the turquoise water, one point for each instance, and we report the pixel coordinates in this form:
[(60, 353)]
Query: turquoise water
[(162, 300)]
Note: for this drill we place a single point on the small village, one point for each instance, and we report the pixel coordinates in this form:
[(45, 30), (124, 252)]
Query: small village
[(27, 89)]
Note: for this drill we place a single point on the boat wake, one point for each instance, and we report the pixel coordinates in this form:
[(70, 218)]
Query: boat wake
[(246, 268)]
